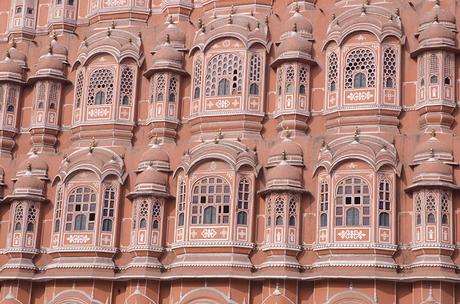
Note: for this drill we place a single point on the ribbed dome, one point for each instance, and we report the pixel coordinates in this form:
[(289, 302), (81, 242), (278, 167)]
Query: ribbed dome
[(433, 167), (152, 176), (167, 54), (432, 144), (30, 182), (297, 22), (50, 62), (7, 65), (58, 48), (441, 14), (294, 43), (34, 162), (172, 33), (155, 154), (286, 146), (436, 31), (284, 171), (16, 54)]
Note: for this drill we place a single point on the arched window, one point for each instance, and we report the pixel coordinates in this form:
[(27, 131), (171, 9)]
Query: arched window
[(108, 208), (323, 203), (79, 89), (10, 108), (279, 212), (156, 215), (302, 89), (197, 78), (434, 79), (352, 217), (181, 203), (58, 210), (211, 201), (172, 89), (389, 67), (52, 106), (430, 208), (384, 202), (255, 67), (418, 209), (303, 79), (41, 95), (360, 69), (243, 201), (100, 89), (359, 81), (196, 94), (143, 213), (222, 66), (352, 193), (332, 73), (289, 79), (126, 85), (18, 9), (81, 209), (31, 218), (292, 212), (224, 87), (445, 208), (18, 217)]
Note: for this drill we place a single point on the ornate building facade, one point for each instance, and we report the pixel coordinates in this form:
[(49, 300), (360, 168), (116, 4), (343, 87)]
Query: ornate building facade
[(212, 151)]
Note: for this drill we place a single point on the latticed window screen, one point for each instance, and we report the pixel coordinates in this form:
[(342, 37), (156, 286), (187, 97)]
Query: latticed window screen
[(430, 208), (255, 67), (323, 203), (53, 96), (156, 215), (289, 79), (384, 203), (243, 202), (332, 71), (445, 208), (58, 211), (211, 201), (100, 88), (81, 210), (143, 213), (11, 101), (79, 89), (41, 95), (360, 61), (292, 212), (197, 70), (352, 202), (389, 67), (181, 203), (222, 69), (126, 85), (418, 209), (31, 218), (172, 92), (2, 96), (303, 79), (279, 211), (160, 86), (108, 209), (18, 217)]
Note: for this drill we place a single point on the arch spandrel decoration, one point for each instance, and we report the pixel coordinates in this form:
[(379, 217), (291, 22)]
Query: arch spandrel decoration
[(73, 297), (351, 297)]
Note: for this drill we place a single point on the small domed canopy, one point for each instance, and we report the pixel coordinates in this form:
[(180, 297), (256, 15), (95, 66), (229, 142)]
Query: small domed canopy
[(298, 23), (286, 149), (155, 157), (27, 186), (17, 55), (173, 35), (294, 48), (433, 147), (436, 36), (430, 13), (284, 177), (35, 165), (167, 58), (433, 173), (51, 65), (11, 70), (151, 182)]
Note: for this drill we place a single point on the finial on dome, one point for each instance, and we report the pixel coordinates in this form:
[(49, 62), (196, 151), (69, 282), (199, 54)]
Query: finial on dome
[(294, 28), (248, 26), (13, 43), (436, 19), (433, 133), (296, 7), (431, 152), (397, 12), (109, 32), (112, 25), (257, 24), (356, 135), (232, 10), (34, 151), (438, 2), (284, 155), (54, 35), (200, 23), (363, 9), (230, 19), (8, 55), (168, 39), (29, 167), (220, 135), (367, 2), (287, 132), (50, 49), (333, 16), (266, 19), (170, 19)]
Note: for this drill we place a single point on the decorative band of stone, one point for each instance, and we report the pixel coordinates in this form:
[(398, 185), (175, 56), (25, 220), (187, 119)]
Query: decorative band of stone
[(355, 246), (213, 243), (81, 249), (209, 264), (432, 246), (280, 246)]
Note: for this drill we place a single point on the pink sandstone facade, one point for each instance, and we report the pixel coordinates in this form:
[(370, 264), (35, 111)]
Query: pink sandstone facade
[(216, 151)]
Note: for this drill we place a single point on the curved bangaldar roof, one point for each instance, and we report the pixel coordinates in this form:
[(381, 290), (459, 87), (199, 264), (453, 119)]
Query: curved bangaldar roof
[(120, 44), (245, 27), (375, 19)]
